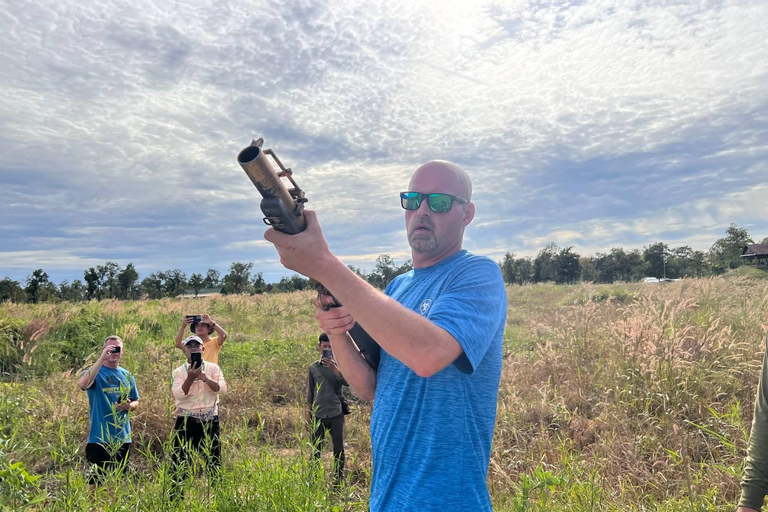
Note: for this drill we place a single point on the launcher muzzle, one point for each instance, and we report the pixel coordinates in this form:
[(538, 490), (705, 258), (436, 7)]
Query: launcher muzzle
[(283, 208)]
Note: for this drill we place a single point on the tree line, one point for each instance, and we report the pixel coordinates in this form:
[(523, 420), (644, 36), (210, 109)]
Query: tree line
[(552, 263), (563, 265), (110, 281)]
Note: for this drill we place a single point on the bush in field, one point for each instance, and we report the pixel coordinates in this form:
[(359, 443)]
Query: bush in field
[(14, 349)]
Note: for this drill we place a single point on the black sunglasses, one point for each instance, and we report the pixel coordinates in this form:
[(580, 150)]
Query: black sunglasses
[(439, 203)]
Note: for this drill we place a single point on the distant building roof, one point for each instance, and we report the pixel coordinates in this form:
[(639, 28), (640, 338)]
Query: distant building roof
[(203, 292), (755, 251)]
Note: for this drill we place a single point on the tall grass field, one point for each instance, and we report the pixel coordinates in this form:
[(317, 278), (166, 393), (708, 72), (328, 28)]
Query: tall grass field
[(612, 398)]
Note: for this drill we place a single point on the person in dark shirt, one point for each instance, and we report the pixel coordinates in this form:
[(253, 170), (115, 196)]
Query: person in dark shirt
[(324, 405)]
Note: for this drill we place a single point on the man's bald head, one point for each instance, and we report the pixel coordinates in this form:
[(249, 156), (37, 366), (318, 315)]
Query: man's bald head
[(435, 235), (453, 177)]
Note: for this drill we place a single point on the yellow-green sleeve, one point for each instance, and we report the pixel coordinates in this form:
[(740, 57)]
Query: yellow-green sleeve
[(754, 483)]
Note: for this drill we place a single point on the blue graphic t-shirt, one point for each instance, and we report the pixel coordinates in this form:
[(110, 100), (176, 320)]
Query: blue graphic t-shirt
[(110, 387), (431, 437)]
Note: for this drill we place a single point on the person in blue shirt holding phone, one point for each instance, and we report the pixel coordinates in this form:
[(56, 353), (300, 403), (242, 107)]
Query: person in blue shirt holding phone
[(112, 394), (440, 328)]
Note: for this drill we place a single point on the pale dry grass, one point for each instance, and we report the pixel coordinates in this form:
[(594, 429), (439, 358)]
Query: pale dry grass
[(637, 387), (648, 387)]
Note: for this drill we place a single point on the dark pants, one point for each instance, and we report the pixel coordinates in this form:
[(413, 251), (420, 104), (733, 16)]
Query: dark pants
[(102, 460), (336, 426), (201, 436)]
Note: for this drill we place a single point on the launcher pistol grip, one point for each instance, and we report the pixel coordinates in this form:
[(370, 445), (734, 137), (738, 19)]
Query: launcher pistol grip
[(368, 347)]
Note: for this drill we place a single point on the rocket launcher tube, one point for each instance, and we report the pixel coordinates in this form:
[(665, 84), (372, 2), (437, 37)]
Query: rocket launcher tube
[(284, 210), (282, 207)]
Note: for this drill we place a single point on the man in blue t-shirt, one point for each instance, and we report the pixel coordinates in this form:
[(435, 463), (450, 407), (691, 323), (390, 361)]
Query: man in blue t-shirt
[(112, 394), (440, 328)]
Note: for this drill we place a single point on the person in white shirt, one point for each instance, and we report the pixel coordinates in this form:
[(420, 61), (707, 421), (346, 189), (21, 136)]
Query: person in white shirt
[(197, 385)]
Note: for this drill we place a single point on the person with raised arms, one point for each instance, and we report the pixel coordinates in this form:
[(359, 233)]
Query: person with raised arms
[(112, 394)]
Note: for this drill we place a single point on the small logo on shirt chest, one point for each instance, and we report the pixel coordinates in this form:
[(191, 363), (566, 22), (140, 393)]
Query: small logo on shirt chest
[(424, 308)]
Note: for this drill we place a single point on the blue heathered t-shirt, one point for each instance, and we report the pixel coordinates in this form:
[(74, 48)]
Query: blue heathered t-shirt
[(431, 437), (110, 387)]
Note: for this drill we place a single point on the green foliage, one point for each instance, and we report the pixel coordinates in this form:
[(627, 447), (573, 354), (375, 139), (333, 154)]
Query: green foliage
[(517, 270), (238, 279), (551, 264), (36, 286), (196, 283), (749, 272), (12, 347), (79, 336), (386, 270), (74, 292), (616, 265), (18, 488), (295, 283), (126, 280), (725, 253), (612, 398), (11, 290), (538, 485), (212, 279)]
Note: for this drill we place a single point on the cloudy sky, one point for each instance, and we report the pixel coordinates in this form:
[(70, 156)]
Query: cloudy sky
[(593, 124)]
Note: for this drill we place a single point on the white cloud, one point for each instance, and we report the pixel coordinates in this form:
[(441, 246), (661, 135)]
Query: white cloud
[(247, 244), (590, 123), (31, 260)]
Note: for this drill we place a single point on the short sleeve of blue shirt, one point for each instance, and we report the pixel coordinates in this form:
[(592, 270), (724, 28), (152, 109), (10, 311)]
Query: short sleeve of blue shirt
[(470, 308), (431, 437)]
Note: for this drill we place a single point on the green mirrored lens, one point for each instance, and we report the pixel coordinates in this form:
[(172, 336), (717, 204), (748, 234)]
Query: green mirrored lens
[(440, 203), (411, 200)]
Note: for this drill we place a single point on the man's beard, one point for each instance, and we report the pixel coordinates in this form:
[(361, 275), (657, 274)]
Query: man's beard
[(418, 242)]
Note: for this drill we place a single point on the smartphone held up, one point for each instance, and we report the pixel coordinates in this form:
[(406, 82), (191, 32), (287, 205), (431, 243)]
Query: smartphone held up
[(196, 359)]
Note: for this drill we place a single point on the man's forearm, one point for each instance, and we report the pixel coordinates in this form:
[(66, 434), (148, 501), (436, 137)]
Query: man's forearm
[(213, 385), (187, 384), (415, 341), (360, 376), (86, 380), (180, 336), (221, 332)]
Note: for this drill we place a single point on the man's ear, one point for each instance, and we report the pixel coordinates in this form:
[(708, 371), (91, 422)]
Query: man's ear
[(469, 213)]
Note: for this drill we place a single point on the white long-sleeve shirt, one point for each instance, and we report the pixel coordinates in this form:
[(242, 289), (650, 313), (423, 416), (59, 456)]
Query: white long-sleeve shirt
[(200, 400)]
